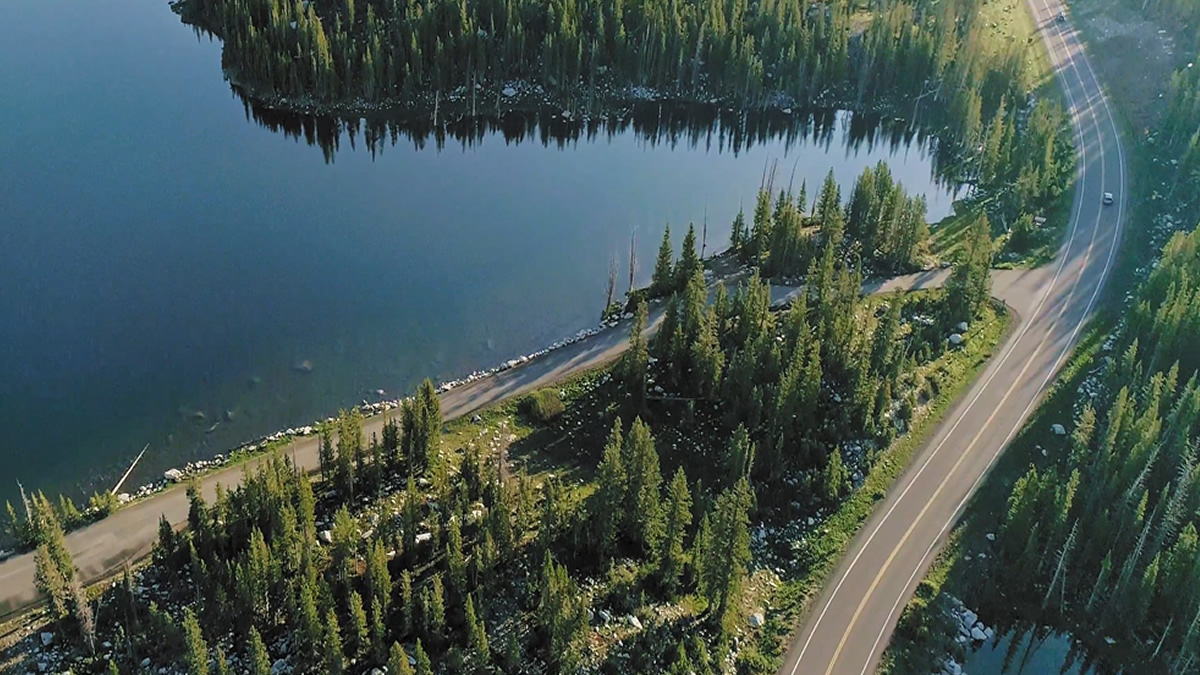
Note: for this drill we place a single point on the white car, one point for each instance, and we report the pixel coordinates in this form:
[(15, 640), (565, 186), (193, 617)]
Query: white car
[(1108, 197)]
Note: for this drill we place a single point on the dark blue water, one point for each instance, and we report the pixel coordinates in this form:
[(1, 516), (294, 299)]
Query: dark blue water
[(161, 253), (1033, 655)]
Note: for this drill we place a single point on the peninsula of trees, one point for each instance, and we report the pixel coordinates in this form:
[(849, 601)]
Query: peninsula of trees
[(637, 526)]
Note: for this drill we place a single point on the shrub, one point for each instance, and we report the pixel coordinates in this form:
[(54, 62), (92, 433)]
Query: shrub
[(543, 405)]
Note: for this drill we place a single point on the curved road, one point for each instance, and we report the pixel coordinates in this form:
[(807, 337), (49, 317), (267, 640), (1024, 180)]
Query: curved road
[(849, 625)]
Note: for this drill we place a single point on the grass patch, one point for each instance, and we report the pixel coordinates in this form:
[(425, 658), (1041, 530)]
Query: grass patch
[(822, 552)]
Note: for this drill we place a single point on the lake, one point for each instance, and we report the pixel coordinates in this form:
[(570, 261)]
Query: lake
[(168, 255)]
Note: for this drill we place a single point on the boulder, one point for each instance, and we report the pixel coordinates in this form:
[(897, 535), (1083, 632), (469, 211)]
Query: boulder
[(605, 616), (969, 618), (1058, 429), (977, 634), (962, 326), (991, 536), (146, 662), (279, 667), (635, 622), (509, 92), (173, 475), (757, 620), (47, 638), (325, 536), (124, 498), (955, 339)]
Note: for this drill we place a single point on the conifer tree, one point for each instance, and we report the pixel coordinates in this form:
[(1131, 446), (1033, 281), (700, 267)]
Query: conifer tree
[(477, 642), (378, 579), (662, 281), (332, 659), (408, 610), (689, 260), (644, 525), (260, 662), (635, 362), (424, 667), (456, 564), (610, 494), (678, 520), (195, 656), (397, 663), (360, 636)]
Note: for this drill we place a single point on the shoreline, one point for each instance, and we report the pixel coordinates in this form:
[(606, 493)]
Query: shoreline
[(256, 447)]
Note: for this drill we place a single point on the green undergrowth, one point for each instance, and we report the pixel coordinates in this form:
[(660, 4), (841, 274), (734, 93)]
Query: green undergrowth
[(822, 552), (923, 634)]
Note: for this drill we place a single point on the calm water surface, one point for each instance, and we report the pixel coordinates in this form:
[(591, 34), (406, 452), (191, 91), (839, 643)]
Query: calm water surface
[(162, 254)]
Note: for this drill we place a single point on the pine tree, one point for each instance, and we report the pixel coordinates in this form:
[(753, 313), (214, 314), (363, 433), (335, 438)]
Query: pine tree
[(378, 579), (456, 564), (741, 455), (679, 519), (968, 287), (398, 661), (195, 656), (737, 233), (477, 642), (689, 260), (610, 494), (408, 610), (221, 665), (635, 362), (332, 659), (835, 479), (644, 526), (260, 662), (723, 569), (424, 667), (360, 636), (662, 282), (378, 634)]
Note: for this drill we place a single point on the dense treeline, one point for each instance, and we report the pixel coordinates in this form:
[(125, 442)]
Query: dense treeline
[(883, 225), (1106, 538), (388, 50), (800, 382)]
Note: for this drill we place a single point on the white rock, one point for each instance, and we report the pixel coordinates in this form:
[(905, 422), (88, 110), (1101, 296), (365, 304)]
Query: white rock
[(124, 498), (991, 536), (952, 667), (977, 634), (969, 618), (424, 537), (47, 638), (173, 475), (325, 536), (146, 662), (1058, 429), (962, 326), (279, 667), (989, 633), (509, 92), (955, 339), (635, 622), (757, 620), (1109, 641)]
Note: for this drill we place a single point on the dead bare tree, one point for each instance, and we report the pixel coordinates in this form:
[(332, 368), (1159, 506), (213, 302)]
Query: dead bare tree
[(632, 258), (612, 282), (704, 234)]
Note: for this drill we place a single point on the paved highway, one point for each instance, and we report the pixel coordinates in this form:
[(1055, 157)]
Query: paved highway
[(851, 621)]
